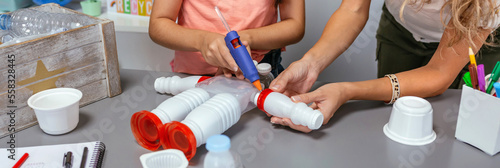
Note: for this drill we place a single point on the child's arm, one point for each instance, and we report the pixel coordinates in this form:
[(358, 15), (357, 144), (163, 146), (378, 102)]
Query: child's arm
[(288, 31), (164, 31)]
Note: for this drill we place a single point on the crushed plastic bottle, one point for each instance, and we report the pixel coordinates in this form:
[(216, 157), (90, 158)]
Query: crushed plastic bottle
[(28, 22)]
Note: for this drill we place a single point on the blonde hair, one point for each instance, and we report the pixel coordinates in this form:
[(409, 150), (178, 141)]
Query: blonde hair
[(468, 17)]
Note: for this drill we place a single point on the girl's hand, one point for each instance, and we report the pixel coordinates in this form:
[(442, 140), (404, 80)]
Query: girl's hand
[(227, 72), (216, 53)]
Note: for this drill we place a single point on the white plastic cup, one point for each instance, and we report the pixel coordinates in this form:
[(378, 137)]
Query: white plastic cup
[(170, 158), (57, 110), (411, 122)]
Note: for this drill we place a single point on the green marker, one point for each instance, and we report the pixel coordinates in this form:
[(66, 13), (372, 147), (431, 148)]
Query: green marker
[(466, 79), (494, 77)]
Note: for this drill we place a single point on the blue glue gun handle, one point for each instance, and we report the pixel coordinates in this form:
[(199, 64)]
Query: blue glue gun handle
[(242, 57), (245, 63)]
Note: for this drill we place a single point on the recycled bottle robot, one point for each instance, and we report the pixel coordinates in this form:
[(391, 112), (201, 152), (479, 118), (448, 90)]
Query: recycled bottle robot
[(204, 106)]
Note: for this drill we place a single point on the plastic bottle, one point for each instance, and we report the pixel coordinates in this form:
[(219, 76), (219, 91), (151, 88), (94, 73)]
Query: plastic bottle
[(147, 126), (219, 154), (211, 118), (215, 85), (175, 85), (27, 22), (265, 74), (268, 101), (241, 89), (231, 98), (2, 34), (278, 104)]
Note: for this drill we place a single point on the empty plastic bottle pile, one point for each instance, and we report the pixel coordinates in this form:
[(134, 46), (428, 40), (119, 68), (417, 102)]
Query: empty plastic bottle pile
[(26, 24)]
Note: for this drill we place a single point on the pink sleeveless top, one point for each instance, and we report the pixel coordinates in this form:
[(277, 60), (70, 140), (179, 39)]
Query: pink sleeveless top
[(239, 14)]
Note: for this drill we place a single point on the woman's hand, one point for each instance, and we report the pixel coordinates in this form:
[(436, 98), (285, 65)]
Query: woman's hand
[(327, 99), (297, 78)]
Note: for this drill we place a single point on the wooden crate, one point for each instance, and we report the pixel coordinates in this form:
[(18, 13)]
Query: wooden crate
[(84, 58)]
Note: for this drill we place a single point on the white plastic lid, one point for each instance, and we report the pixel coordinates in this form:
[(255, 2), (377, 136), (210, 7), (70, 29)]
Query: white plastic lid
[(413, 105), (264, 68), (255, 62), (218, 143), (411, 122), (170, 158), (413, 142)]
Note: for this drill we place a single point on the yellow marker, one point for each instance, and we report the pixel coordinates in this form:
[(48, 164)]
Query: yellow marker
[(472, 57), (256, 83)]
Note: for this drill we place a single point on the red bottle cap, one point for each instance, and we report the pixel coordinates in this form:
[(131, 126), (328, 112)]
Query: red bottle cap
[(179, 136), (146, 128), (262, 98), (203, 78)]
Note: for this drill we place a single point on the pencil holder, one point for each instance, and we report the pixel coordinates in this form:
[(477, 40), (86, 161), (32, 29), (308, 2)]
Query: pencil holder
[(478, 121)]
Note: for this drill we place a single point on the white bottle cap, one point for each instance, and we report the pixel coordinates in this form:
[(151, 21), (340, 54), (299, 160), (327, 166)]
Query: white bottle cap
[(264, 68), (218, 143)]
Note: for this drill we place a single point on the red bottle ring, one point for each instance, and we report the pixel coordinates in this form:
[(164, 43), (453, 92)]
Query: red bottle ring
[(146, 128)]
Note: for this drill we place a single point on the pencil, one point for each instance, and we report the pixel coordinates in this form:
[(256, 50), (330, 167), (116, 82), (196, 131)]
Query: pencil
[(84, 157), (473, 76), (472, 57)]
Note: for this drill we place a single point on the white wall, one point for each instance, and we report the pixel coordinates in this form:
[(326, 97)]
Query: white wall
[(137, 51)]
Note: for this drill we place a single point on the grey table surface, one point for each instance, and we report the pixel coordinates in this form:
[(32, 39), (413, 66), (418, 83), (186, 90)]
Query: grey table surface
[(353, 138)]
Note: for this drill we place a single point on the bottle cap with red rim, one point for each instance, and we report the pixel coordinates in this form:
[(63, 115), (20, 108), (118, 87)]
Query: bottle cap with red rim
[(179, 136), (146, 128)]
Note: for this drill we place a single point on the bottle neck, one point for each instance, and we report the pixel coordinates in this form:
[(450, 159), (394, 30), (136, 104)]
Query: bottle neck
[(5, 21), (220, 152)]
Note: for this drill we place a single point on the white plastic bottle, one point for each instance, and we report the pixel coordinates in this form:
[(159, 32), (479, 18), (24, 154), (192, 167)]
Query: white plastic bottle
[(175, 85), (211, 118), (243, 90), (266, 77), (231, 98), (26, 22), (214, 85), (280, 105), (147, 126), (219, 154)]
